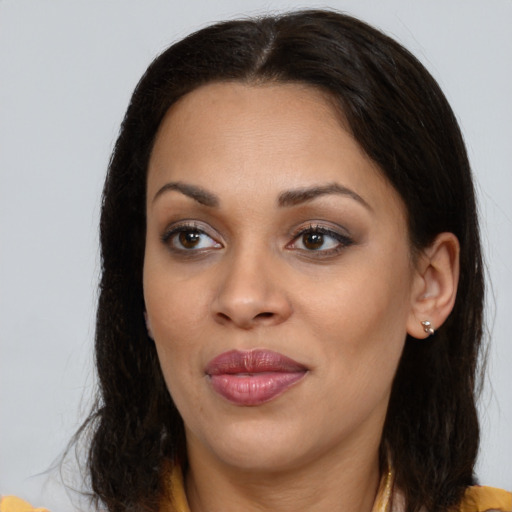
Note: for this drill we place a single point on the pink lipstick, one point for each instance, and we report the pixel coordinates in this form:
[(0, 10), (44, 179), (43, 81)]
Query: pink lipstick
[(253, 377)]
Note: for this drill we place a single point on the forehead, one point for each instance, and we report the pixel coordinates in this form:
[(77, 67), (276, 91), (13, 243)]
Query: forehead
[(235, 136), (222, 111)]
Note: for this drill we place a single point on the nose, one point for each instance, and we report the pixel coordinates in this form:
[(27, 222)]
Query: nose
[(251, 293)]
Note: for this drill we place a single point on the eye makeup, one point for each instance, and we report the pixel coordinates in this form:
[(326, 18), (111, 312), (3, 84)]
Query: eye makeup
[(189, 238), (319, 240), (186, 237)]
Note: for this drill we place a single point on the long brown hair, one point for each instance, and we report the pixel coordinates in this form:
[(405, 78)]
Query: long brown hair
[(402, 120)]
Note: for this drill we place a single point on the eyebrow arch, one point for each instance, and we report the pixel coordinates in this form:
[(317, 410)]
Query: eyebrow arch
[(303, 195), (199, 194)]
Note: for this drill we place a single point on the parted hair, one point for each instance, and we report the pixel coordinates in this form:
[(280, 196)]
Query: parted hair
[(401, 119)]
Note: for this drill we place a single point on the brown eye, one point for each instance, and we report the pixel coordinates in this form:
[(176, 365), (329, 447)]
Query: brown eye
[(313, 241), (189, 239), (320, 241)]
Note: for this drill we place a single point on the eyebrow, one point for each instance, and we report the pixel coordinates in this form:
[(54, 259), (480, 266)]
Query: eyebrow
[(303, 195), (198, 194), (286, 199)]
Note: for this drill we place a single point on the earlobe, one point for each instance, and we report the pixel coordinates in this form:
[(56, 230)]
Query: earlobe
[(148, 325), (435, 286)]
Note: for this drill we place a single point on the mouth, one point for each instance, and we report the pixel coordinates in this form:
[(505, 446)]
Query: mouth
[(253, 377)]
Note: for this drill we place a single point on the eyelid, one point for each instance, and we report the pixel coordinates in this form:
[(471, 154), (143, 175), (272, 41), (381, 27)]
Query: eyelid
[(338, 233), (189, 225), (321, 226)]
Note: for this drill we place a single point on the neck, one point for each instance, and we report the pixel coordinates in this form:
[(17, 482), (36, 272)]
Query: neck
[(331, 483)]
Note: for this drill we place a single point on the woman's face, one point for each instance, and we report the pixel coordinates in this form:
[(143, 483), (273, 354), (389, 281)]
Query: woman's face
[(277, 277)]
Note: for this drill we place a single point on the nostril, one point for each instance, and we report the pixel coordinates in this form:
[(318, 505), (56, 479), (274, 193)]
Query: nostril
[(223, 316), (264, 315)]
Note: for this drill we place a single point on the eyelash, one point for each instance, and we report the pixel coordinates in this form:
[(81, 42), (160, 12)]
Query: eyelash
[(343, 241), (188, 227)]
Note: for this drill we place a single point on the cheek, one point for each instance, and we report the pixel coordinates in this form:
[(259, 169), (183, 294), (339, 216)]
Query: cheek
[(174, 302), (175, 308), (174, 313), (364, 304), (362, 321)]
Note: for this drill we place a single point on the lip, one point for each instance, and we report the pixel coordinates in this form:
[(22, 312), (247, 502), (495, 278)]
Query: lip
[(253, 377)]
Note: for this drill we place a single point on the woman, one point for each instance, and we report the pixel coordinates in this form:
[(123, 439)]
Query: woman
[(289, 241)]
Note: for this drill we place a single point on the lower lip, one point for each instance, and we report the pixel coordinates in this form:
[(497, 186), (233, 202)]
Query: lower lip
[(256, 388)]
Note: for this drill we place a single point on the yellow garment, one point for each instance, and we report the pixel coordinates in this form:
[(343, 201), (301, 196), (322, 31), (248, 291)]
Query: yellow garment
[(483, 499), (476, 499), (13, 504)]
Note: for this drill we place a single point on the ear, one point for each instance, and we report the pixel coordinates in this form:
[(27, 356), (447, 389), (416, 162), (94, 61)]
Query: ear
[(148, 325), (434, 286)]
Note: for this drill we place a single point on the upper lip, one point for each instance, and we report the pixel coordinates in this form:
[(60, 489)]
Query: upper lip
[(252, 361)]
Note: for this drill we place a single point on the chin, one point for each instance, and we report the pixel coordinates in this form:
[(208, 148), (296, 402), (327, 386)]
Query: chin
[(254, 445)]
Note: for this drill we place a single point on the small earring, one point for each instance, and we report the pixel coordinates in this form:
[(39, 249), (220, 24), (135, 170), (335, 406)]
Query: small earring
[(428, 327)]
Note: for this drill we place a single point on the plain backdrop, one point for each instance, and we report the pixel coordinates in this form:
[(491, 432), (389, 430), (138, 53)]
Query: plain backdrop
[(67, 70)]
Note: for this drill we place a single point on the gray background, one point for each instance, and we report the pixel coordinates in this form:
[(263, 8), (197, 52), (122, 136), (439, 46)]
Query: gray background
[(67, 69)]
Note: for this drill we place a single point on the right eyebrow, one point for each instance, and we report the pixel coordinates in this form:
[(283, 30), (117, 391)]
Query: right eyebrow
[(199, 194)]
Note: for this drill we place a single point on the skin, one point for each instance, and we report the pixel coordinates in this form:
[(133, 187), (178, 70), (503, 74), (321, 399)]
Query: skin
[(252, 280)]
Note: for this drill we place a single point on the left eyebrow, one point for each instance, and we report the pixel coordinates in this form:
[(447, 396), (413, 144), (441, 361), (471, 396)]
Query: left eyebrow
[(303, 195)]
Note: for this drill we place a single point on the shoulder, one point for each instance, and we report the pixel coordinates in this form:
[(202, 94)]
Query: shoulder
[(486, 499), (14, 504)]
